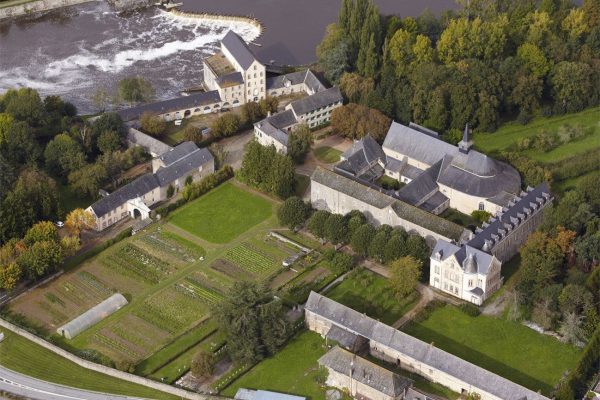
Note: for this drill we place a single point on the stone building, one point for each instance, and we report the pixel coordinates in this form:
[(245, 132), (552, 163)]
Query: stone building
[(235, 73), (472, 271), (340, 194), (294, 82), (313, 110), (362, 378), (437, 174), (170, 169), (411, 354)]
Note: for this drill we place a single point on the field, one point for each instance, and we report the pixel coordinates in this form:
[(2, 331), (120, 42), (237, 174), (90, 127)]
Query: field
[(21, 355), (222, 214), (506, 348), (327, 155), (368, 293), (295, 367), (172, 277), (509, 133)]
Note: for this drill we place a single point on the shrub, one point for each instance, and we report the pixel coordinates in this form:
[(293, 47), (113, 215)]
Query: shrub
[(203, 364), (293, 212), (470, 309), (209, 182), (341, 263), (226, 125), (170, 191), (152, 124), (95, 356)]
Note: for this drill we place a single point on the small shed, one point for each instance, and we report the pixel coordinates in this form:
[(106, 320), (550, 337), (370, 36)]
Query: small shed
[(92, 316)]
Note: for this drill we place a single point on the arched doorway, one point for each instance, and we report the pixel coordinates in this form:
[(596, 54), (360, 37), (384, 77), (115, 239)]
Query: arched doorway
[(187, 113), (136, 213)]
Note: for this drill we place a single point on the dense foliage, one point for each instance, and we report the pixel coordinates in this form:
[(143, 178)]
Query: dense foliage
[(492, 59)]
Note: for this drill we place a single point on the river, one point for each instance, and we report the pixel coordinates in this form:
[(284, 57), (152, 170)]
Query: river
[(73, 51)]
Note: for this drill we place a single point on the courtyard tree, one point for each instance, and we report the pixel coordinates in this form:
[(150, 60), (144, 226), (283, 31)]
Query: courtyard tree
[(250, 113), (293, 212), (253, 321), (135, 90), (317, 223), (152, 124), (79, 220), (361, 239), (299, 142), (226, 125), (268, 105), (203, 364), (404, 276), (335, 229)]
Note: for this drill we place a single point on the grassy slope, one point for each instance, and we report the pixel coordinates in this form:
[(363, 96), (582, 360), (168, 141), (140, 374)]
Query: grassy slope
[(294, 367), (509, 133), (24, 356), (327, 154), (506, 348), (222, 214), (374, 299)]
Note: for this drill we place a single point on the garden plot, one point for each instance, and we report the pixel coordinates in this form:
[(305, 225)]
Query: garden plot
[(133, 261), (172, 310), (195, 289), (171, 246)]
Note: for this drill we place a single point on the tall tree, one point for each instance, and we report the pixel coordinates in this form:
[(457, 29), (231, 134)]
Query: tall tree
[(404, 276)]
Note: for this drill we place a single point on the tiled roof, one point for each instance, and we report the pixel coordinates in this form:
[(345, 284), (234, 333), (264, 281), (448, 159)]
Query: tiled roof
[(364, 371), (417, 145), (137, 188), (274, 125), (177, 153), (167, 106), (418, 190), (238, 49), (320, 99), (418, 350)]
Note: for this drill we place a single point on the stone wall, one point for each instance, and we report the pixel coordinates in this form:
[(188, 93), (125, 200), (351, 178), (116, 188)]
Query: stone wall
[(37, 6), (106, 370)]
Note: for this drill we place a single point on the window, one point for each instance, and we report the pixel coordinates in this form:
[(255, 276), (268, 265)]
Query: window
[(470, 282), (261, 73), (255, 75), (255, 67), (481, 206), (437, 269)]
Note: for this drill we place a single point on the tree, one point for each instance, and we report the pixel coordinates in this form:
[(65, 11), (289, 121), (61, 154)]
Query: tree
[(6, 123), (40, 259), (293, 212), (253, 321), (25, 105), (7, 177), (333, 53), (63, 155), (395, 246), (268, 105), (355, 220), (40, 232), (335, 229), (153, 124), (299, 142), (341, 263), (355, 121), (361, 239), (404, 276), (10, 274), (79, 220), (377, 246), (100, 100), (20, 146), (136, 90), (534, 59), (88, 180), (481, 216), (416, 246), (355, 87), (192, 133), (570, 329), (317, 223), (109, 141), (226, 125), (203, 364), (571, 86), (250, 113)]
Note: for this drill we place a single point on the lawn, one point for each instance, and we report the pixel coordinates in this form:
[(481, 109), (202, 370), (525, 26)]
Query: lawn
[(294, 367), (327, 154), (368, 292), (24, 356), (509, 133), (459, 218), (223, 214), (506, 348)]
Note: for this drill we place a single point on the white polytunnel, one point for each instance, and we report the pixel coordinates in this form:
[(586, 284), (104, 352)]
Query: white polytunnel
[(92, 316)]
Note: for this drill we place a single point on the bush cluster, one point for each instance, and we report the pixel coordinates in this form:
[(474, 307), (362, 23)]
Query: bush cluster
[(470, 309)]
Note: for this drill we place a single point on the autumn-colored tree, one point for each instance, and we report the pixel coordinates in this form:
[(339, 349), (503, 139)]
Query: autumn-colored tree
[(10, 275), (404, 276), (203, 364), (42, 231), (355, 121), (152, 124), (78, 220)]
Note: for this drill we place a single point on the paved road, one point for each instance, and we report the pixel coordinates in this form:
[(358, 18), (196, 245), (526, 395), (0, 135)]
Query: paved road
[(13, 382)]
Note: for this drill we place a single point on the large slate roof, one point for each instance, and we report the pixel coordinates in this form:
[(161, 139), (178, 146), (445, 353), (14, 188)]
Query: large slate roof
[(422, 186), (137, 188), (351, 188), (238, 49), (166, 106), (416, 349), (295, 78), (153, 145), (428, 221), (320, 99), (179, 162), (274, 125), (361, 155), (364, 371)]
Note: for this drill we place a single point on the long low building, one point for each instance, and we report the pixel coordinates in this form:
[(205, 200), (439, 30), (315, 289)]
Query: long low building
[(177, 108), (170, 169), (340, 194), (322, 315)]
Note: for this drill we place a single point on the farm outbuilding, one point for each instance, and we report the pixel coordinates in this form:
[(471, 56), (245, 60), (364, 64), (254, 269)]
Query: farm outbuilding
[(92, 316)]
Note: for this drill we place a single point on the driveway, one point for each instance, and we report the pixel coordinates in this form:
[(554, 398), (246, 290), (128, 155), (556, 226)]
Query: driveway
[(234, 146), (31, 388)]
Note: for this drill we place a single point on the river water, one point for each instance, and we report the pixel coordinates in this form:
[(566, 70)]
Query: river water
[(74, 51)]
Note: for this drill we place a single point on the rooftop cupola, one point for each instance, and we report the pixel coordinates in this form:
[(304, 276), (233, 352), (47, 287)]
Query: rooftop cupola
[(470, 265), (466, 143)]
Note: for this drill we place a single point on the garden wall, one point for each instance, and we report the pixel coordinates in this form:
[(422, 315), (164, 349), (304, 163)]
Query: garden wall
[(106, 370)]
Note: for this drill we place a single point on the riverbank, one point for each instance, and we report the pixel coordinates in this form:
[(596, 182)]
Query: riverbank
[(16, 8)]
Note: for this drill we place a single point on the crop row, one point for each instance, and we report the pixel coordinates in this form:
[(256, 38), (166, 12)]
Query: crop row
[(91, 281), (73, 293), (167, 247), (134, 253), (115, 345), (206, 295), (251, 260)]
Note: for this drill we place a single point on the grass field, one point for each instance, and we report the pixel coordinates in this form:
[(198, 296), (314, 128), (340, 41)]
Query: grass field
[(327, 154), (506, 348), (222, 214), (294, 368), (509, 133), (368, 293), (24, 356)]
